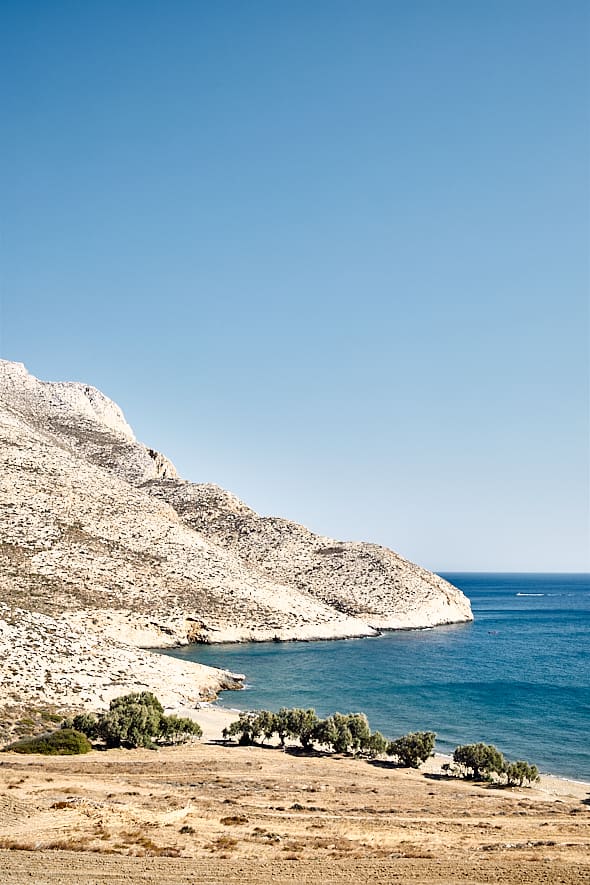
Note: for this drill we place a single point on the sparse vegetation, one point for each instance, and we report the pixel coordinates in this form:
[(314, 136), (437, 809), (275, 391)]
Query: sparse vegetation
[(341, 733), (64, 742), (26, 720), (135, 720), (223, 843), (350, 734)]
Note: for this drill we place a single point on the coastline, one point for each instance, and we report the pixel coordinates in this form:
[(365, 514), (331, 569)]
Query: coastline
[(213, 719), (493, 680)]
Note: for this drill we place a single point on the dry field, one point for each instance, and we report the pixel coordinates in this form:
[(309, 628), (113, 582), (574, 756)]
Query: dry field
[(215, 814)]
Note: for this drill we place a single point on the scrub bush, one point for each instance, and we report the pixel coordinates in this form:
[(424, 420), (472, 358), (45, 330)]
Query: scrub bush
[(64, 742)]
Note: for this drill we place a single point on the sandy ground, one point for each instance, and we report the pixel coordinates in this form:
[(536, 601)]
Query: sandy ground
[(212, 814)]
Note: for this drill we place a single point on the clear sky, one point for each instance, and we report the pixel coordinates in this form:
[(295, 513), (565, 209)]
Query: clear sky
[(329, 255)]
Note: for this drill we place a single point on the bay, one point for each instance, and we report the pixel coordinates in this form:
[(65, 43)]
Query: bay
[(517, 677)]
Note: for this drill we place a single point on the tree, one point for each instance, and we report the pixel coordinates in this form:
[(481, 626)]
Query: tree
[(302, 724), (87, 723), (246, 727), (342, 739), (413, 748), (358, 725), (282, 725), (135, 720), (178, 729), (519, 772), (326, 732), (482, 760), (266, 722), (376, 745)]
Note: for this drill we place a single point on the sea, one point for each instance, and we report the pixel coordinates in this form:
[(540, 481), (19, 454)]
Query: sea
[(517, 677)]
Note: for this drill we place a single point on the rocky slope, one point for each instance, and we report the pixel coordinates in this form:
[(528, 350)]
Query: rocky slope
[(98, 529)]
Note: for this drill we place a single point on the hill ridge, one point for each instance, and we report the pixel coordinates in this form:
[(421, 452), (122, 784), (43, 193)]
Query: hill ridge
[(98, 527)]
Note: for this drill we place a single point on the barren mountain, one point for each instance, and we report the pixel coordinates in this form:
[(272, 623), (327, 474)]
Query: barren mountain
[(99, 533)]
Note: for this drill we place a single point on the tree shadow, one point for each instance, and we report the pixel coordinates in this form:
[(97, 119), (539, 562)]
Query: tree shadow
[(290, 749), (308, 752), (384, 763)]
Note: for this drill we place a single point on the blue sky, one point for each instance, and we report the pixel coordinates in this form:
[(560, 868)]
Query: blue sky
[(329, 255)]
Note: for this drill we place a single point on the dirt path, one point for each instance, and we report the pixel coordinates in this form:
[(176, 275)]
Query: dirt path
[(55, 869)]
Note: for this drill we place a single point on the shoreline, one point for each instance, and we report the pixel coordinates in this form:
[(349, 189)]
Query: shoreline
[(213, 719)]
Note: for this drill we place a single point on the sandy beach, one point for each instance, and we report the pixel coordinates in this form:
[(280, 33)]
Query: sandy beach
[(212, 813)]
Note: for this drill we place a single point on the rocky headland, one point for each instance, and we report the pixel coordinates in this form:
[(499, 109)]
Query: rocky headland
[(105, 552)]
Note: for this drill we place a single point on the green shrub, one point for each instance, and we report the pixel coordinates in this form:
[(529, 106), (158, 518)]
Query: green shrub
[(64, 742), (519, 772), (481, 760), (413, 748)]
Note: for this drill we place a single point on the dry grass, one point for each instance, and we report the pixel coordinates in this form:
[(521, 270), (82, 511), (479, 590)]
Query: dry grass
[(173, 805), (223, 843), (234, 820)]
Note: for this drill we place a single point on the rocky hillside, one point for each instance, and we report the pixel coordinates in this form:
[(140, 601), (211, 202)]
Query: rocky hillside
[(98, 529)]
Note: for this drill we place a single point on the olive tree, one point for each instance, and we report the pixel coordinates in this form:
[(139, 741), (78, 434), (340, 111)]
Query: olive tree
[(376, 745), (412, 749), (328, 734), (134, 720), (519, 772), (267, 723), (358, 725), (282, 725), (302, 724), (178, 729), (246, 728), (482, 760)]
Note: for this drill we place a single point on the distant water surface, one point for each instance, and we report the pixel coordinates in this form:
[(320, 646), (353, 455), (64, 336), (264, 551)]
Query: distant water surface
[(518, 676)]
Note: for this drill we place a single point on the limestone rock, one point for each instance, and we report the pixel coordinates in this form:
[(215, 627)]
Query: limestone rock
[(363, 580), (82, 419), (99, 533)]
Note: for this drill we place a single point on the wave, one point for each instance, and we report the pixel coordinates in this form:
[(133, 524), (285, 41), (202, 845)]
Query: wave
[(533, 594)]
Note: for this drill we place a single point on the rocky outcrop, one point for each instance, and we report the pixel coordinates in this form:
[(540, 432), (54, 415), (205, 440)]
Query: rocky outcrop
[(83, 420), (62, 661), (98, 529), (365, 581)]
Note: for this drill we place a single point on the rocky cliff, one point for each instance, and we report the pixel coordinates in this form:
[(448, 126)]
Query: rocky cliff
[(100, 536)]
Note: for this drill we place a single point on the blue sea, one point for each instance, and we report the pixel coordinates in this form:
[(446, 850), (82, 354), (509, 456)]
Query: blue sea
[(517, 677)]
